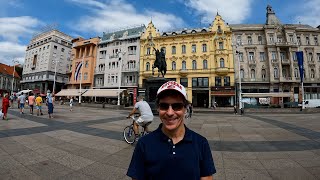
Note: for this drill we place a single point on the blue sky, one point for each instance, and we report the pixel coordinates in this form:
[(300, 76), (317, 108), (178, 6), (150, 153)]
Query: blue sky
[(20, 19)]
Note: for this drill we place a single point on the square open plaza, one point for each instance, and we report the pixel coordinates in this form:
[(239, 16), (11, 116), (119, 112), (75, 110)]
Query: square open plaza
[(88, 143)]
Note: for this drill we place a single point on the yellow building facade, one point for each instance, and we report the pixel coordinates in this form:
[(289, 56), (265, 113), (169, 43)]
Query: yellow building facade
[(201, 59)]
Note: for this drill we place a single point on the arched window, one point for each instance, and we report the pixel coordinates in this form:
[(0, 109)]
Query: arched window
[(194, 64), (173, 50), (85, 77), (183, 48), (312, 73), (204, 47), (275, 73), (263, 74), (296, 72), (205, 64), (221, 62), (147, 66), (249, 40), (253, 74), (242, 73), (173, 65), (184, 65), (284, 73)]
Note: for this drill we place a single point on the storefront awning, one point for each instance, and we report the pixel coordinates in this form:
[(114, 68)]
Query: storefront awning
[(70, 92), (258, 95), (110, 93)]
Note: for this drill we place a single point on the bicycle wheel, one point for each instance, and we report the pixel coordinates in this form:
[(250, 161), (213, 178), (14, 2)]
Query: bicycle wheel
[(129, 135)]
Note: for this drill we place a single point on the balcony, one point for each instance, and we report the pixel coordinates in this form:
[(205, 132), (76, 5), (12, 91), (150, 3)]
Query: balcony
[(274, 62), (98, 72), (311, 62), (288, 79), (183, 72), (222, 71), (255, 80), (285, 61)]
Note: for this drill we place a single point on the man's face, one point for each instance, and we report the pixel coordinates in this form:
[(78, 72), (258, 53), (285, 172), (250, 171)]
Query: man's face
[(172, 117)]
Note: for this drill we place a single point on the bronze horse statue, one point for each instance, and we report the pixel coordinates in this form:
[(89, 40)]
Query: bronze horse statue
[(160, 62)]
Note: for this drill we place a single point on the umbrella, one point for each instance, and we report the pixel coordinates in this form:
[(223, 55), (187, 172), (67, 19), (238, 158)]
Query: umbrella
[(24, 91)]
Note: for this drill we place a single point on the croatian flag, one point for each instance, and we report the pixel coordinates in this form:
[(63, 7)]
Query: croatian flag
[(300, 63), (78, 68)]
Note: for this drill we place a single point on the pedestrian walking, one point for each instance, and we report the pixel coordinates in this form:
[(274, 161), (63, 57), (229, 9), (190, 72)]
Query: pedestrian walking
[(235, 110), (172, 151), (31, 99), (71, 103), (50, 105), (39, 104), (5, 106), (21, 101)]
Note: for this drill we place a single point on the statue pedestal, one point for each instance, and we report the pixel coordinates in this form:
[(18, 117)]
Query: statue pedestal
[(152, 85)]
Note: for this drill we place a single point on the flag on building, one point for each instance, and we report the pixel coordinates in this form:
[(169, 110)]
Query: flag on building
[(77, 72), (300, 64)]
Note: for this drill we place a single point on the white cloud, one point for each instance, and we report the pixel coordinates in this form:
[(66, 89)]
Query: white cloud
[(10, 51), (232, 11), (117, 14), (309, 13), (12, 30)]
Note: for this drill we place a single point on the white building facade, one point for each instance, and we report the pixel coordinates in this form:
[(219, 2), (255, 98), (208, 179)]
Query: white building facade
[(118, 60), (47, 53)]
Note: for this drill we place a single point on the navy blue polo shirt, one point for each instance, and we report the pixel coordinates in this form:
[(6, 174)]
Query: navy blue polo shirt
[(156, 157)]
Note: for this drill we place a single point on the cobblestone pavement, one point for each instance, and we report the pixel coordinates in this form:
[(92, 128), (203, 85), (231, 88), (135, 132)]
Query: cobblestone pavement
[(88, 144)]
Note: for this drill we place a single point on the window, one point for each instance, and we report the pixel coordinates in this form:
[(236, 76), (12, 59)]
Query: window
[(318, 56), (217, 81), (253, 74), (147, 66), (194, 64), (204, 47), (275, 72), (251, 56), (205, 64), (307, 40), (148, 51), (312, 74), (299, 40), (315, 40), (239, 40), (271, 39), (164, 49), (184, 82), (296, 72), (240, 57), (227, 81), (249, 40), (294, 56), (262, 56), (62, 49), (260, 39), (85, 77), (194, 48), (184, 65), (183, 48), (279, 38), (263, 74), (86, 64), (132, 50), (241, 73), (290, 38), (55, 47), (273, 55), (282, 56), (173, 50), (284, 73), (220, 45), (310, 57), (173, 65), (222, 63)]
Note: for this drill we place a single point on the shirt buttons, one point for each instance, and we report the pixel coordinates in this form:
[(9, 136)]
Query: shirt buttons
[(173, 146), (169, 140), (173, 152)]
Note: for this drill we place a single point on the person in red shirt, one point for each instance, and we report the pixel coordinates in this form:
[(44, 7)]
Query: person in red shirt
[(5, 106)]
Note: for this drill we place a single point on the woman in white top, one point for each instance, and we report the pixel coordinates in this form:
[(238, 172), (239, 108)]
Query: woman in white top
[(71, 103)]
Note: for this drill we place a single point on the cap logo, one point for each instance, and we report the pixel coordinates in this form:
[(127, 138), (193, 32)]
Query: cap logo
[(171, 85)]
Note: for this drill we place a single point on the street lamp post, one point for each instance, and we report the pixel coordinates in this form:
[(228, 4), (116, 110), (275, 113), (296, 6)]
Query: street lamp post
[(81, 75), (239, 77), (55, 74), (120, 72)]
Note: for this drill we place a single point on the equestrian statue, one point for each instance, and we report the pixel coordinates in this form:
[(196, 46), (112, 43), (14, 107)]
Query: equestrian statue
[(160, 62)]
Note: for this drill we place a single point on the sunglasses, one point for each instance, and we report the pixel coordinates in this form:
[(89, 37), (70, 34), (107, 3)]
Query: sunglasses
[(174, 106)]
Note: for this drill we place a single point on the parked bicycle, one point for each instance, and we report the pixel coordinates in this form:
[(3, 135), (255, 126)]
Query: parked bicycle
[(128, 132)]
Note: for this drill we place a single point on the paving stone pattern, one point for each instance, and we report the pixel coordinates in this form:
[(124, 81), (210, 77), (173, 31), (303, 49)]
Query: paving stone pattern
[(87, 143)]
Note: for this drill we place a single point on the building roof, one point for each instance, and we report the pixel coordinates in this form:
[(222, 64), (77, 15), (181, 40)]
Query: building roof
[(123, 34), (8, 70)]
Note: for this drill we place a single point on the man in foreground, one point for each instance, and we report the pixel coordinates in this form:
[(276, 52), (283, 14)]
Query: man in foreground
[(146, 115), (21, 101), (172, 151)]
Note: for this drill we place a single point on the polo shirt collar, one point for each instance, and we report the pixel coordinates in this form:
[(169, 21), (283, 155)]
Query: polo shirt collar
[(163, 137)]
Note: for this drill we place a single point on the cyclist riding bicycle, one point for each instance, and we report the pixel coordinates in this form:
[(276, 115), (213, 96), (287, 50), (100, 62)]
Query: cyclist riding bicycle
[(145, 118)]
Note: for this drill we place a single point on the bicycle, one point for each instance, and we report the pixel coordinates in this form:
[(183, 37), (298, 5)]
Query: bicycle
[(128, 132)]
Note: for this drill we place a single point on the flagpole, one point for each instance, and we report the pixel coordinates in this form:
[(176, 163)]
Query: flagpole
[(81, 78)]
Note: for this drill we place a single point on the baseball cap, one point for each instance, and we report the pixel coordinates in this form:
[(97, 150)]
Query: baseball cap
[(173, 85)]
